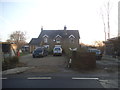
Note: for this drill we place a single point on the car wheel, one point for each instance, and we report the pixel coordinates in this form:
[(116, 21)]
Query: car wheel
[(33, 56)]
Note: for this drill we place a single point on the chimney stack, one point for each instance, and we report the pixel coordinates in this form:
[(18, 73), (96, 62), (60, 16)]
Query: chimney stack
[(41, 28), (65, 28)]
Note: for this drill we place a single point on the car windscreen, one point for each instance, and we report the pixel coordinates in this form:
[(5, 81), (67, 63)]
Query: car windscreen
[(57, 49), (38, 50)]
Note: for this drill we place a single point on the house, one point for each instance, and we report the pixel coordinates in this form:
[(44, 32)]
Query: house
[(112, 46), (25, 48), (50, 38)]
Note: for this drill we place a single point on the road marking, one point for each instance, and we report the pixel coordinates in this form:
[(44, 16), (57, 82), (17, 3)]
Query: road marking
[(103, 80), (3, 78), (39, 78), (76, 78)]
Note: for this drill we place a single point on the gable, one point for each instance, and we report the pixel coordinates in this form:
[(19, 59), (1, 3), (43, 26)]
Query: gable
[(45, 35), (58, 36), (71, 36)]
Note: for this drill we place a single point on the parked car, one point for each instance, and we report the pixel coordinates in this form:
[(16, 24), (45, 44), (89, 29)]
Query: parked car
[(57, 51), (40, 52), (97, 52)]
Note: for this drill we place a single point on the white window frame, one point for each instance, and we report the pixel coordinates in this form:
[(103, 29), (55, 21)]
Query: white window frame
[(46, 46), (58, 36), (45, 35), (45, 40)]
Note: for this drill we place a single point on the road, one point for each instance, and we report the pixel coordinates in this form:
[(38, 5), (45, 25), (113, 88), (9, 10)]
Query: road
[(51, 82)]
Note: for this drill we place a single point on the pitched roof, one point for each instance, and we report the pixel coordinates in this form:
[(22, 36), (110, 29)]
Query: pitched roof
[(62, 33), (35, 41)]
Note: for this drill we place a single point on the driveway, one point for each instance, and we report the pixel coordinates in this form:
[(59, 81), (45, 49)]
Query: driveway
[(48, 64), (48, 60)]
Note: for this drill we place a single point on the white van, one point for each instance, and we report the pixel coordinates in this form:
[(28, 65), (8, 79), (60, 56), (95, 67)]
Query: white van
[(57, 51)]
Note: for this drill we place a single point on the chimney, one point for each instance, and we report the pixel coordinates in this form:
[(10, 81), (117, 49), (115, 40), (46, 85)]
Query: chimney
[(41, 28), (65, 28)]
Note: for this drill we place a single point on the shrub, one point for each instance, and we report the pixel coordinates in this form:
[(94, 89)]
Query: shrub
[(9, 63), (83, 60), (82, 50), (14, 60)]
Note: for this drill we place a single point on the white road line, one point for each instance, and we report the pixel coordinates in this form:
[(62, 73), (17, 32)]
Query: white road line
[(103, 80), (76, 78), (3, 78), (48, 78)]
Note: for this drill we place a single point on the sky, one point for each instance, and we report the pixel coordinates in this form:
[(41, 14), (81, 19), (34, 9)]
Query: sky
[(83, 15)]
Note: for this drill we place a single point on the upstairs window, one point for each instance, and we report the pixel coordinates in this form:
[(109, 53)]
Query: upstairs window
[(57, 40), (72, 38), (45, 39)]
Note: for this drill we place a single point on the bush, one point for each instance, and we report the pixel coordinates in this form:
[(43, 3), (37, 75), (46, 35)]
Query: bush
[(14, 60), (83, 60), (81, 50), (50, 52), (9, 63)]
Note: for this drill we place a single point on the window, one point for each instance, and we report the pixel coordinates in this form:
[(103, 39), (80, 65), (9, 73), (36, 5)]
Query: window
[(46, 46), (57, 40), (71, 40), (45, 39), (58, 37)]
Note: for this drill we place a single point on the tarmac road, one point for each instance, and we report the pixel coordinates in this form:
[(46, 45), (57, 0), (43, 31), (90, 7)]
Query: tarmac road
[(51, 82)]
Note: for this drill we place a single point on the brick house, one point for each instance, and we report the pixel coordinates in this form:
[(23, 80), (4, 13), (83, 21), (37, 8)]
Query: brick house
[(49, 38)]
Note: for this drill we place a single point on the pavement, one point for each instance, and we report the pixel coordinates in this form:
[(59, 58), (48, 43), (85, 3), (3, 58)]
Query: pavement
[(108, 57), (16, 70)]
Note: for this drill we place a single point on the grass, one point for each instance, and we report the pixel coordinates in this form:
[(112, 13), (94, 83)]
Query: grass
[(24, 53)]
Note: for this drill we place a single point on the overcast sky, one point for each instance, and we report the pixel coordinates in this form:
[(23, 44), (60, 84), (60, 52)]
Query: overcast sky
[(82, 15)]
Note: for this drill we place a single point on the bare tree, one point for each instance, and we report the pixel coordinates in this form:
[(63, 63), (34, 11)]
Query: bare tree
[(105, 13), (104, 24), (108, 17), (98, 43), (18, 37)]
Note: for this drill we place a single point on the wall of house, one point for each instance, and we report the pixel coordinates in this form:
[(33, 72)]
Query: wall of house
[(32, 48), (109, 49), (65, 43)]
